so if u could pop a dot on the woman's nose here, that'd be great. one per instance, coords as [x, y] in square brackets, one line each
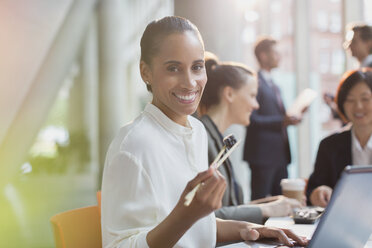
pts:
[189, 80]
[359, 104]
[256, 105]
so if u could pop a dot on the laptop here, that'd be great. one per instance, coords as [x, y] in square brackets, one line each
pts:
[347, 220]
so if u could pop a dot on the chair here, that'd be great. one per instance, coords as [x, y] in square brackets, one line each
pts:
[99, 201]
[78, 228]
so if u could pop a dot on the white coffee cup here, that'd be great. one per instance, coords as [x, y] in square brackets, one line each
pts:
[293, 188]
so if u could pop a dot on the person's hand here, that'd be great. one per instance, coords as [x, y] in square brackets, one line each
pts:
[291, 120]
[208, 198]
[285, 236]
[328, 98]
[279, 206]
[321, 196]
[304, 110]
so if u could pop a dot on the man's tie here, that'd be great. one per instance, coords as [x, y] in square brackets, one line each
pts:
[281, 106]
[278, 96]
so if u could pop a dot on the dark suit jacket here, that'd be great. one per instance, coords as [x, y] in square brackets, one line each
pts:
[334, 154]
[232, 206]
[266, 142]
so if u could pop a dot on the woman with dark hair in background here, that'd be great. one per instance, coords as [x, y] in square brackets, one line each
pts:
[161, 156]
[229, 98]
[350, 147]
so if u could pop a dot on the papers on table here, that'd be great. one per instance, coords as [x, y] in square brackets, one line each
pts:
[303, 100]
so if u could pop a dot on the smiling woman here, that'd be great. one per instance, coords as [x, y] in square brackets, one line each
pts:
[350, 147]
[145, 180]
[177, 79]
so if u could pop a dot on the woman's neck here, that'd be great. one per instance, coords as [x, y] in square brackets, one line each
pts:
[219, 116]
[362, 133]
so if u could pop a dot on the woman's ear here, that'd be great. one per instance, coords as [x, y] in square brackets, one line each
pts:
[228, 94]
[145, 72]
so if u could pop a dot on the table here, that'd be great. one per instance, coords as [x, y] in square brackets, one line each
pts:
[284, 222]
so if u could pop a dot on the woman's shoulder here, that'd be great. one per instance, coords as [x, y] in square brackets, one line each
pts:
[337, 137]
[197, 125]
[135, 134]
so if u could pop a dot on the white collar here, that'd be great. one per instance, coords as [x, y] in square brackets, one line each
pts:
[266, 74]
[367, 61]
[166, 122]
[356, 143]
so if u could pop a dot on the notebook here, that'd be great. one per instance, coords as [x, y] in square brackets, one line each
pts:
[347, 220]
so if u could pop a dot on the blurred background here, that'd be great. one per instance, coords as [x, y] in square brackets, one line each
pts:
[69, 79]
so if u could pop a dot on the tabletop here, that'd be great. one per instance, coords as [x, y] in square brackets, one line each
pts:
[284, 222]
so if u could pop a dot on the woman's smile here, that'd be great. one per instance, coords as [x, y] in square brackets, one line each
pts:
[186, 98]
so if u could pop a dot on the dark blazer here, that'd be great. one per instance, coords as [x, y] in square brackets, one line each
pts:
[266, 142]
[232, 205]
[334, 154]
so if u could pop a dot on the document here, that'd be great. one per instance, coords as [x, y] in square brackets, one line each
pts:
[303, 100]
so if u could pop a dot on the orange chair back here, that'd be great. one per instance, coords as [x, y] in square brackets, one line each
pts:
[78, 228]
[99, 201]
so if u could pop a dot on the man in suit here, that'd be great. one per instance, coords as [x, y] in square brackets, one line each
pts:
[359, 41]
[266, 145]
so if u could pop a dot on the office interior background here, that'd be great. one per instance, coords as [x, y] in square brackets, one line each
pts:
[69, 79]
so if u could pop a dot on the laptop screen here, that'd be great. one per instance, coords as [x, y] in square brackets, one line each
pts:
[347, 220]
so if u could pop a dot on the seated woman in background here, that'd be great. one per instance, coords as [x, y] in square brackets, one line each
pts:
[229, 98]
[154, 161]
[349, 147]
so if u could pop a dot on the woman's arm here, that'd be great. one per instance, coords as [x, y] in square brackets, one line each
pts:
[230, 230]
[207, 199]
[129, 205]
[321, 173]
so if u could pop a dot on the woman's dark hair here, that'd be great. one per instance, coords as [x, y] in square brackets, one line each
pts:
[220, 75]
[348, 81]
[157, 30]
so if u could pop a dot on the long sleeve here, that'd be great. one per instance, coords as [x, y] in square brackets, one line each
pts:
[321, 174]
[231, 210]
[148, 165]
[334, 154]
[242, 212]
[127, 203]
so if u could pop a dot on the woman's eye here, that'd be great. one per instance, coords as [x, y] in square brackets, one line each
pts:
[173, 69]
[197, 67]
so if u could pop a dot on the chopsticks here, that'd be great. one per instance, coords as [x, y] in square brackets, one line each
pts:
[230, 145]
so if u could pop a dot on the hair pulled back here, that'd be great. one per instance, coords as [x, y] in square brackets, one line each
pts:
[221, 75]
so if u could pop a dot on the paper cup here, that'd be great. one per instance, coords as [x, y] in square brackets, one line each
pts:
[293, 188]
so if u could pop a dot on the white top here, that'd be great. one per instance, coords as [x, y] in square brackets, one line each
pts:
[267, 76]
[361, 156]
[147, 167]
[367, 61]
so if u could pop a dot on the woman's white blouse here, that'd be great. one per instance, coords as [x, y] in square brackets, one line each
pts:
[148, 165]
[360, 156]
